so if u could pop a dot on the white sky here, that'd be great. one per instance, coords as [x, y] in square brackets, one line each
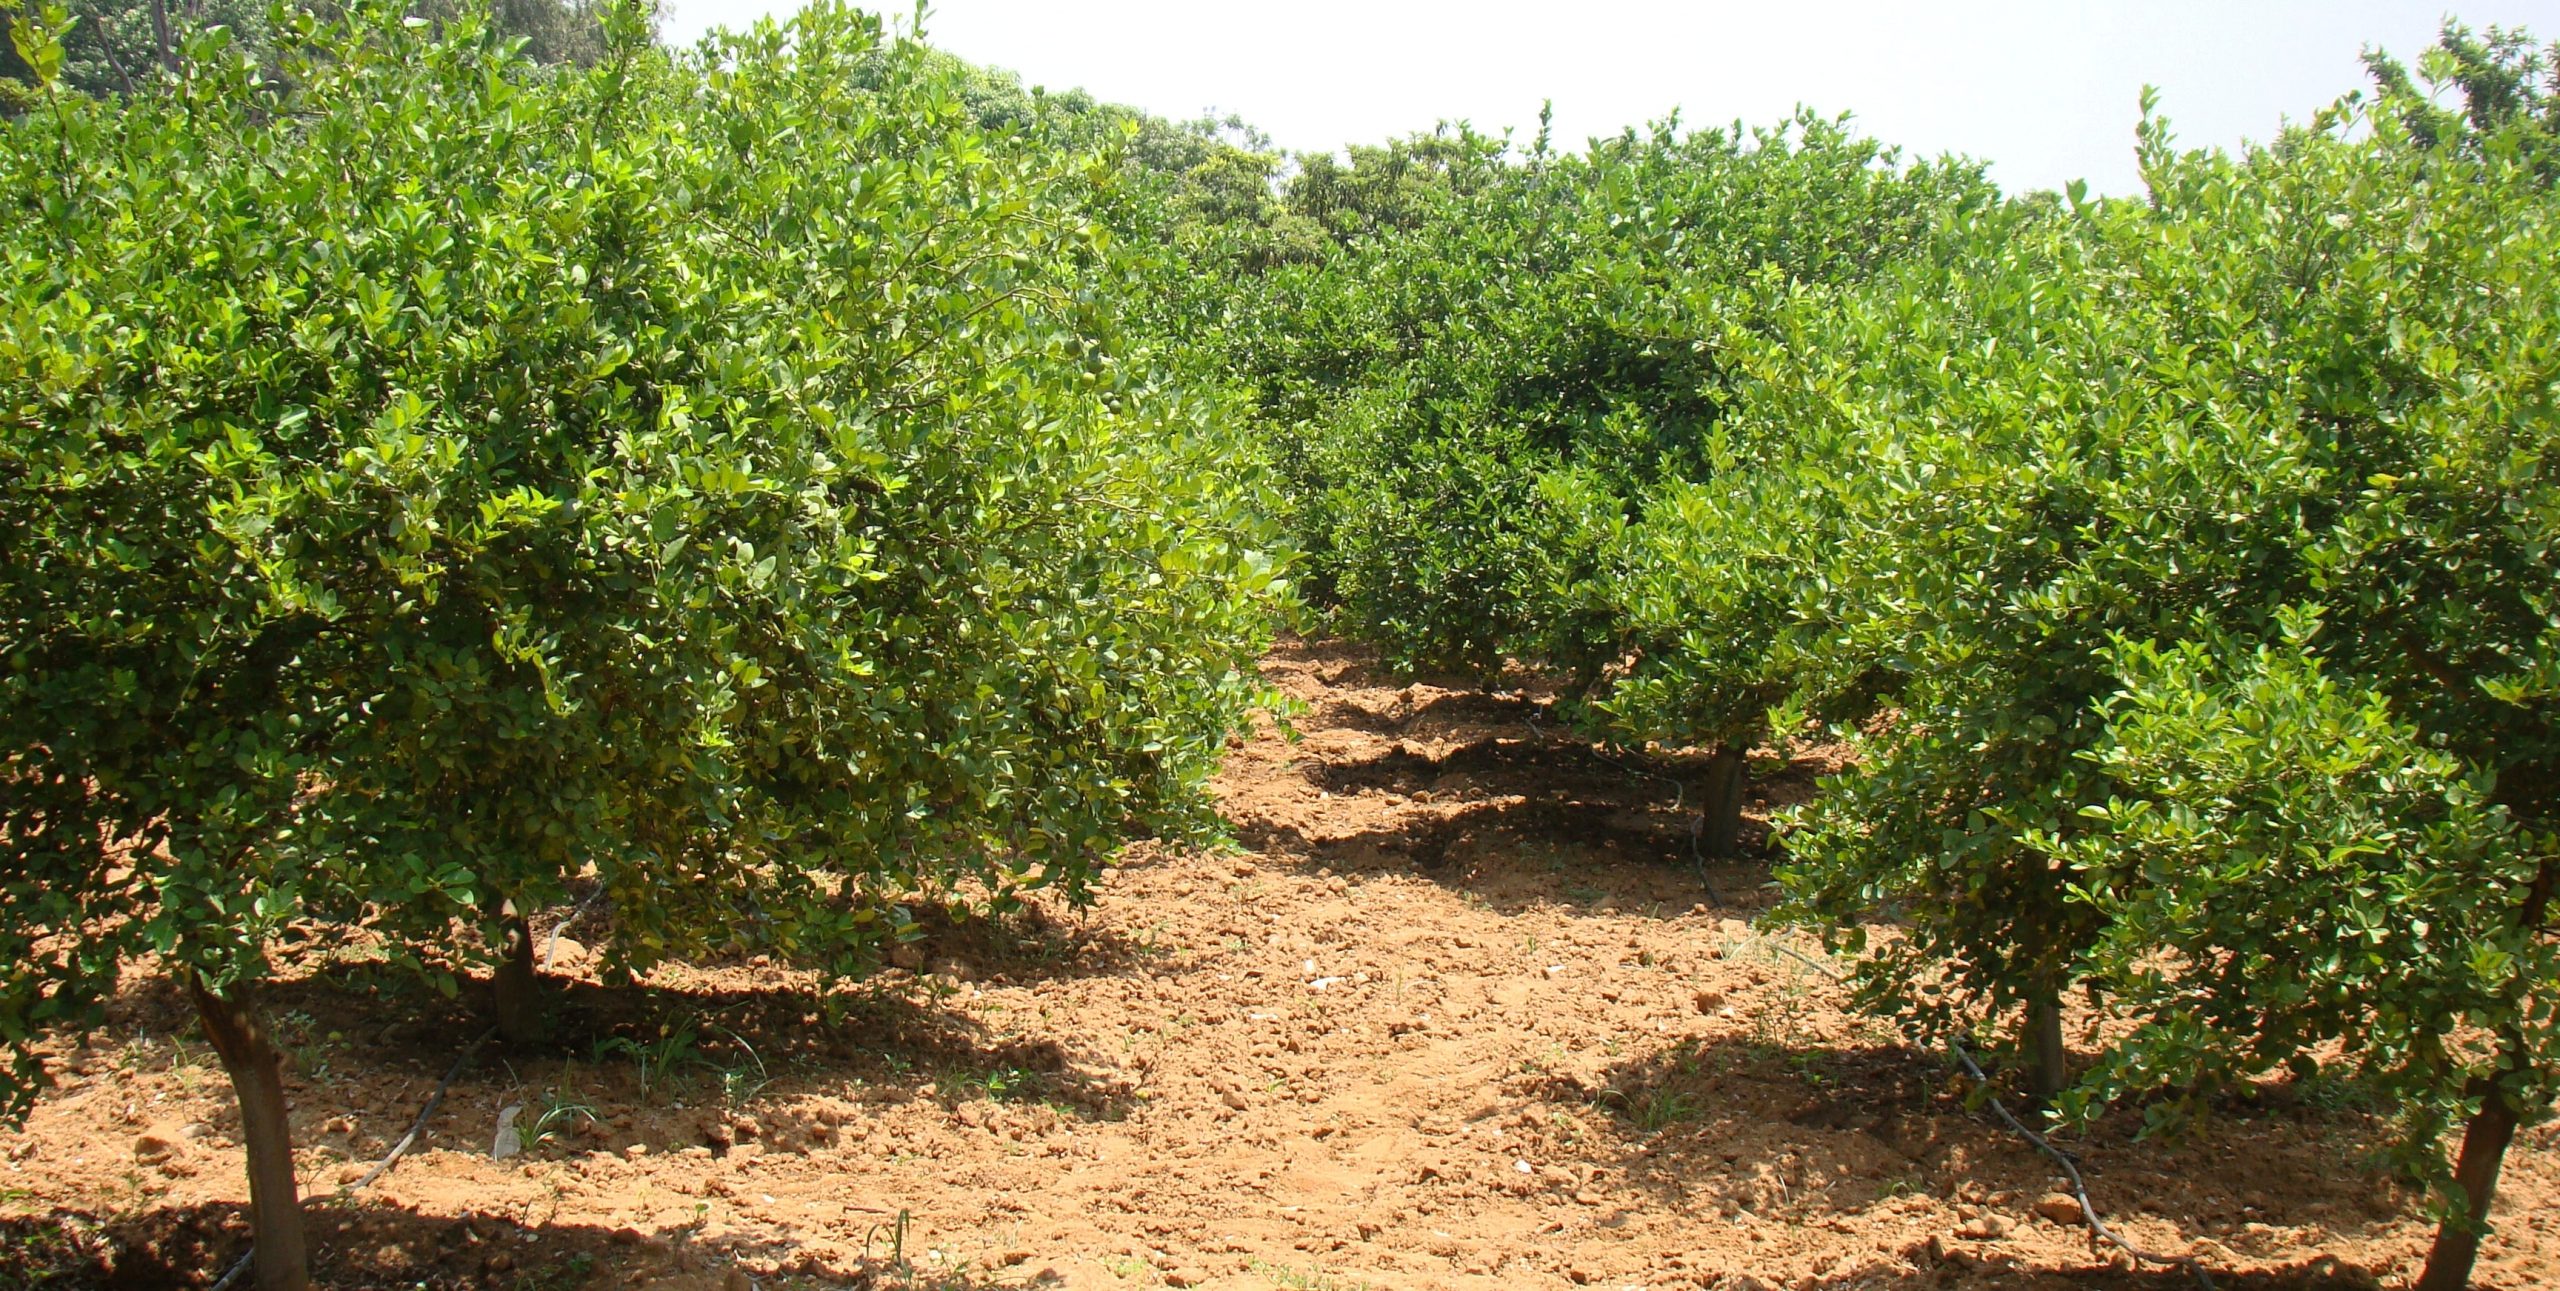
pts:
[2044, 89]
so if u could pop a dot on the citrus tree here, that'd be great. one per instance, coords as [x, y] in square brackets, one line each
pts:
[1478, 394]
[2204, 546]
[1519, 352]
[715, 475]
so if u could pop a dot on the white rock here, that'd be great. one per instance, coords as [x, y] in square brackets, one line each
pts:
[509, 1141]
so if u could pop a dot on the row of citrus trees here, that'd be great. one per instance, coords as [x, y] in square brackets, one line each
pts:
[430, 480]
[2185, 569]
[743, 479]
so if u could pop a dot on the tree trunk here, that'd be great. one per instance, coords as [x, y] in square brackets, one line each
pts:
[2492, 1128]
[1721, 800]
[2484, 1150]
[160, 34]
[2052, 1071]
[519, 986]
[239, 1035]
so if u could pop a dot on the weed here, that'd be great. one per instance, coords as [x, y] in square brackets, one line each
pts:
[299, 1035]
[561, 1112]
[1311, 1278]
[1812, 1066]
[1650, 1111]
[677, 1046]
[1153, 943]
[735, 1085]
[562, 1276]
[182, 1065]
[1003, 1084]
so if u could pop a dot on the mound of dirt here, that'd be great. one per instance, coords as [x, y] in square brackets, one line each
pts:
[1464, 1011]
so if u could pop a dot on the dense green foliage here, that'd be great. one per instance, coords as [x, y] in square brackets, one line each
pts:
[2311, 384]
[137, 46]
[805, 475]
[1504, 356]
[2182, 569]
[709, 471]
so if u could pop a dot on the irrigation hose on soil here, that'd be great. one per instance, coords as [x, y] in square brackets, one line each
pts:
[2079, 1188]
[389, 1159]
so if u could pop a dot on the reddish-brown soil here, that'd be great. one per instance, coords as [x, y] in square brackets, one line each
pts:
[1460, 1013]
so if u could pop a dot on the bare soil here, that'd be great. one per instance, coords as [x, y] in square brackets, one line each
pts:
[1463, 1011]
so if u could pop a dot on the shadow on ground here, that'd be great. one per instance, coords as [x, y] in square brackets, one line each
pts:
[1524, 822]
[1801, 1133]
[367, 1247]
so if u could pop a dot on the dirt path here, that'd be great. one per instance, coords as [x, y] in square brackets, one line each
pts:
[1457, 1016]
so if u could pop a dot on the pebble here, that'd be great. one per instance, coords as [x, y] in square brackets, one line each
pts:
[2059, 1207]
[156, 1146]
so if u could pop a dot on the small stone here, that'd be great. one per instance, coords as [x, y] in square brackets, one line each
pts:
[1708, 1001]
[568, 952]
[509, 1141]
[2059, 1207]
[1186, 1276]
[635, 1151]
[156, 1146]
[1233, 1097]
[1984, 1228]
[907, 957]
